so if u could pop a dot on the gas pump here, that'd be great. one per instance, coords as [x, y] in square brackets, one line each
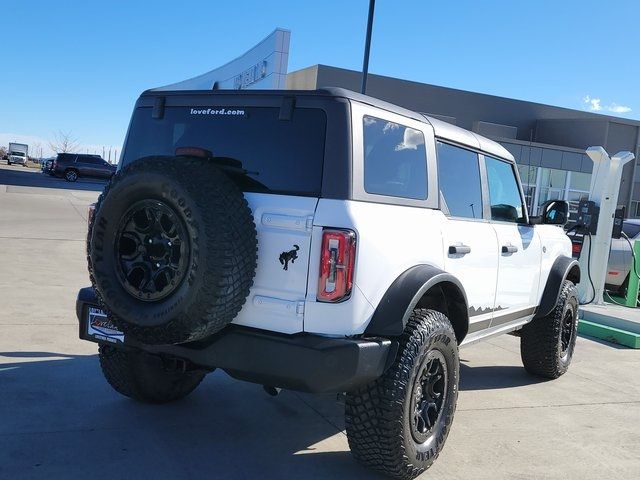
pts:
[596, 221]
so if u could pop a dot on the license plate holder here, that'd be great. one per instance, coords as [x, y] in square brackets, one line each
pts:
[101, 328]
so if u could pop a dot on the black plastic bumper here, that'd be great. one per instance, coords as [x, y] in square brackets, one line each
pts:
[303, 362]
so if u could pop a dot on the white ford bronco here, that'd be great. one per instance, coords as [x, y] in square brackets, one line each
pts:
[321, 241]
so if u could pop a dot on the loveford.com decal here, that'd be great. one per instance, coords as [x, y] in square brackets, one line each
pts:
[100, 327]
[218, 111]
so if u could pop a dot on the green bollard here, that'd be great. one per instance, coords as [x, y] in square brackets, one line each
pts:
[632, 289]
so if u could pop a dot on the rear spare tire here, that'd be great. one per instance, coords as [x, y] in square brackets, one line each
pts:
[172, 249]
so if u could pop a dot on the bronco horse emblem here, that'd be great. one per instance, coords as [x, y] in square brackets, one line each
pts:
[290, 256]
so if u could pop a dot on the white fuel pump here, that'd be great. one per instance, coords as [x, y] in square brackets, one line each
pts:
[605, 183]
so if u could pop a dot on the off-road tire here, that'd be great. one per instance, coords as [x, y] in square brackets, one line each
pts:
[541, 340]
[144, 377]
[223, 249]
[378, 416]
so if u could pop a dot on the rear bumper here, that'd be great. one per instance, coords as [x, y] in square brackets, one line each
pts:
[302, 362]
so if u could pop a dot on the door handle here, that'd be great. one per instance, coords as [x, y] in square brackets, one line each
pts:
[459, 249]
[509, 249]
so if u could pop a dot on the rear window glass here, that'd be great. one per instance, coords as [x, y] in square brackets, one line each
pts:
[259, 151]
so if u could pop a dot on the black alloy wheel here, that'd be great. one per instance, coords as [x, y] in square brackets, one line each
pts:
[153, 250]
[568, 332]
[429, 394]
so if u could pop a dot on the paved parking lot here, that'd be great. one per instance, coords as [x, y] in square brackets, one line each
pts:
[59, 419]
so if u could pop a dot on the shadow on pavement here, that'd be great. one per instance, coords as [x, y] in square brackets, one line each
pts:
[28, 177]
[60, 419]
[495, 377]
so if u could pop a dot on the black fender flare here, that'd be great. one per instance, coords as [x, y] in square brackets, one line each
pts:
[393, 311]
[562, 268]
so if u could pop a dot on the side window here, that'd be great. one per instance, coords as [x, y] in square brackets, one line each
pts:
[630, 229]
[459, 180]
[395, 159]
[506, 202]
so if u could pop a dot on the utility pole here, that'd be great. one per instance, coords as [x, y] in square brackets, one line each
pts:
[367, 47]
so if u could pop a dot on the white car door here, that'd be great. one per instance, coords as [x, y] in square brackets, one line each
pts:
[519, 246]
[469, 240]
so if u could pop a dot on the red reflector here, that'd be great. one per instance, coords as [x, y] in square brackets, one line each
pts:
[90, 212]
[576, 247]
[337, 259]
[614, 273]
[193, 152]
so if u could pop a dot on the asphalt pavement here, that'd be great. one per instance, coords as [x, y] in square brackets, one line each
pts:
[60, 420]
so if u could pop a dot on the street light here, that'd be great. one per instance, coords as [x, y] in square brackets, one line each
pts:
[367, 47]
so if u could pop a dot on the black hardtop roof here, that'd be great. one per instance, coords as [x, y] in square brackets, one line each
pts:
[328, 92]
[83, 154]
[441, 129]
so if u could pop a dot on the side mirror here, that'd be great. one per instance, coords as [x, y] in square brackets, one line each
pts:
[555, 212]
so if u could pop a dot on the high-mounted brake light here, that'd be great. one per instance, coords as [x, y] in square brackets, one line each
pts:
[193, 152]
[337, 260]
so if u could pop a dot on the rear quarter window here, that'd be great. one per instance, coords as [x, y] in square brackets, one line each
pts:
[395, 159]
[275, 156]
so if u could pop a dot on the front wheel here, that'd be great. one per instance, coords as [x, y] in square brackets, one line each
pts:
[547, 344]
[146, 378]
[398, 424]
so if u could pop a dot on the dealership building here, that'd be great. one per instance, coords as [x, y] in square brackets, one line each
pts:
[547, 142]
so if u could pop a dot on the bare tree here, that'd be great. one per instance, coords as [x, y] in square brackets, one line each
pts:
[36, 149]
[64, 142]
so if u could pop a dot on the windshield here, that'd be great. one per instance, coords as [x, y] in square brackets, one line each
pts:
[17, 154]
[258, 150]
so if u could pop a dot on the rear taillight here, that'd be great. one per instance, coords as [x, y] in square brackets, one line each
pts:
[90, 212]
[337, 260]
[576, 248]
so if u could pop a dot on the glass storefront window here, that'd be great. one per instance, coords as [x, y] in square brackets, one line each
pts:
[580, 181]
[553, 178]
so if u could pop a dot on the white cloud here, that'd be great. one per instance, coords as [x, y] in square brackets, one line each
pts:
[595, 105]
[614, 107]
[592, 103]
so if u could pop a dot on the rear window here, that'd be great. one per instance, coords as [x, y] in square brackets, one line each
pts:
[258, 150]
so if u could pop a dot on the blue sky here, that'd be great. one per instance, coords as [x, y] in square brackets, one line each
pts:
[79, 66]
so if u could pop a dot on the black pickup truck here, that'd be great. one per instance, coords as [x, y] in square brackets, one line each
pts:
[71, 166]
